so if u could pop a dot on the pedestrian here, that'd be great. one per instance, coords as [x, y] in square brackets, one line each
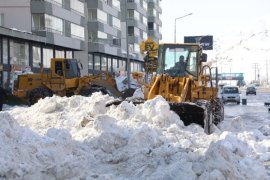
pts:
[3, 97]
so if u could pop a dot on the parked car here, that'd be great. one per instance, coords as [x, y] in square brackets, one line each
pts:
[230, 94]
[251, 90]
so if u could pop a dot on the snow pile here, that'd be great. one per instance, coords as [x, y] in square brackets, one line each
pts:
[80, 138]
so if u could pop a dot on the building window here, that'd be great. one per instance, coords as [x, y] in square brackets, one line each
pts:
[77, 31]
[132, 66]
[38, 23]
[69, 54]
[77, 6]
[36, 56]
[90, 61]
[144, 35]
[5, 51]
[98, 37]
[130, 30]
[59, 54]
[132, 14]
[133, 31]
[134, 47]
[48, 23]
[109, 64]
[150, 26]
[144, 4]
[122, 65]
[116, 4]
[144, 20]
[114, 65]
[19, 53]
[103, 63]
[152, 12]
[97, 15]
[116, 22]
[116, 41]
[53, 24]
[47, 56]
[56, 2]
[97, 63]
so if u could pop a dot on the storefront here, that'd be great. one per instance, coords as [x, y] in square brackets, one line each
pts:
[25, 51]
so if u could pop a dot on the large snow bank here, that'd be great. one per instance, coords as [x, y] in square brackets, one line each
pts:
[79, 138]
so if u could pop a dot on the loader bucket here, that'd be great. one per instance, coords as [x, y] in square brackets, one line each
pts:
[14, 100]
[193, 113]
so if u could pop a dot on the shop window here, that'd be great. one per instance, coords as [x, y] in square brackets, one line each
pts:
[97, 63]
[36, 56]
[47, 56]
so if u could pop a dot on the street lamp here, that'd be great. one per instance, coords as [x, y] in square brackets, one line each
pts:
[175, 24]
[127, 43]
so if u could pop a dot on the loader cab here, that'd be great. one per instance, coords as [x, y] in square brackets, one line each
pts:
[170, 59]
[68, 68]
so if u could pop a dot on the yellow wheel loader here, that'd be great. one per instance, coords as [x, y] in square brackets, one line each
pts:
[63, 79]
[187, 84]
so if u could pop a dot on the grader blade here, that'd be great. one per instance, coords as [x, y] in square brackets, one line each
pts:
[189, 113]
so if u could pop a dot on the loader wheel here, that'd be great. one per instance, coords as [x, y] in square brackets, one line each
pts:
[37, 94]
[88, 91]
[218, 112]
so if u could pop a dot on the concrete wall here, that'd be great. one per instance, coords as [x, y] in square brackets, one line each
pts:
[17, 14]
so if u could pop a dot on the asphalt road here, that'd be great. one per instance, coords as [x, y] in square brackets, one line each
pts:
[254, 114]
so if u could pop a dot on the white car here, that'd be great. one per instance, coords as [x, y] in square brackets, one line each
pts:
[230, 94]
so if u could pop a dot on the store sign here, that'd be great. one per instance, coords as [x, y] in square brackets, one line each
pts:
[205, 41]
[150, 47]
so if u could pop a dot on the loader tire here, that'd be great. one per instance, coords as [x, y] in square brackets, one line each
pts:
[37, 94]
[218, 112]
[88, 91]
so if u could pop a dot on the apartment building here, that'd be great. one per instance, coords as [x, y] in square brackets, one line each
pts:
[154, 23]
[114, 25]
[102, 34]
[34, 31]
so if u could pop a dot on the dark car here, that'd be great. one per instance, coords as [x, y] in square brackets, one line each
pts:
[251, 90]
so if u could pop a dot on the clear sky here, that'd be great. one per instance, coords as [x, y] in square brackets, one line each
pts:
[210, 17]
[213, 17]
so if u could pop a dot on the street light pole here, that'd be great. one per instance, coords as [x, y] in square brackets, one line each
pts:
[175, 24]
[127, 43]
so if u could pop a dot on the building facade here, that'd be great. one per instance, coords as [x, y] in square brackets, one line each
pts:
[103, 34]
[154, 23]
[34, 31]
[116, 29]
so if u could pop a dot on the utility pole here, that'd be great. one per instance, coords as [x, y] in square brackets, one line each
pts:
[255, 66]
[127, 43]
[266, 71]
[175, 31]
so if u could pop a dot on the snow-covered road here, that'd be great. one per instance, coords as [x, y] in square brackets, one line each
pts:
[254, 114]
